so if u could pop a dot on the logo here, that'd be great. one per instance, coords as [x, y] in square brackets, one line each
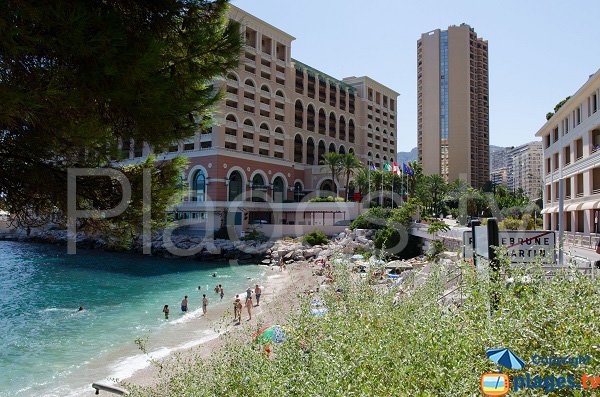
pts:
[494, 384]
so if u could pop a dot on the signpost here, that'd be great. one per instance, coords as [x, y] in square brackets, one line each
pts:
[522, 245]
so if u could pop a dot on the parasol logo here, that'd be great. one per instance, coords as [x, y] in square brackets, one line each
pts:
[494, 384]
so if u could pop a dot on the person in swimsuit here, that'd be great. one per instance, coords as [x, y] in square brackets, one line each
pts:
[221, 291]
[257, 293]
[184, 304]
[204, 303]
[249, 307]
[248, 293]
[237, 309]
[166, 311]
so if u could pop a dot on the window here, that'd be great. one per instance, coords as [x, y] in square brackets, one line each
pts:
[198, 192]
[235, 186]
[278, 190]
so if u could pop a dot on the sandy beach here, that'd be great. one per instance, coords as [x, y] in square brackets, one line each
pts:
[280, 290]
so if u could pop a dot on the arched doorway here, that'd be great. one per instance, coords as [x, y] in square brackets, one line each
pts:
[198, 192]
[235, 186]
[258, 188]
[278, 190]
[327, 186]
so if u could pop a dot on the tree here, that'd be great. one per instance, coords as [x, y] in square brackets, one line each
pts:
[77, 77]
[333, 162]
[349, 165]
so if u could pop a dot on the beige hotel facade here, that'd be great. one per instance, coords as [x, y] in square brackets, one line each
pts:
[278, 117]
[571, 142]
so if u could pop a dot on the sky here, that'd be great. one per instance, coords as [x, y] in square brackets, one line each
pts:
[539, 51]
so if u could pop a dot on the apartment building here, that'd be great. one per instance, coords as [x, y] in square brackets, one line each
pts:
[571, 144]
[279, 116]
[452, 104]
[525, 169]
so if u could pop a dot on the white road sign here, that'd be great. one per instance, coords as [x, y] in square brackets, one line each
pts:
[522, 245]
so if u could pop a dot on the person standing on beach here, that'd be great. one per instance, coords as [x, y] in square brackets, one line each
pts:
[257, 293]
[248, 307]
[237, 309]
[248, 293]
[221, 291]
[166, 311]
[204, 303]
[184, 304]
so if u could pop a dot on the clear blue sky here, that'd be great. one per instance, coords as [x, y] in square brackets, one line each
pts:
[539, 51]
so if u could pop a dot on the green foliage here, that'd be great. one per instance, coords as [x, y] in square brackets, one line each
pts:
[561, 103]
[333, 162]
[328, 199]
[435, 249]
[404, 215]
[254, 235]
[436, 227]
[367, 345]
[79, 76]
[386, 238]
[510, 224]
[373, 218]
[221, 233]
[316, 238]
[350, 164]
[549, 115]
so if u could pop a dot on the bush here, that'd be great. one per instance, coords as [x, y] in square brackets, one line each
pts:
[373, 218]
[316, 238]
[510, 224]
[254, 235]
[435, 249]
[221, 233]
[386, 238]
[328, 199]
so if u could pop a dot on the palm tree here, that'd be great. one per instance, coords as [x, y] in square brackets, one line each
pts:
[333, 162]
[349, 165]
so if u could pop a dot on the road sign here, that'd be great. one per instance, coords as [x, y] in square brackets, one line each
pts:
[522, 245]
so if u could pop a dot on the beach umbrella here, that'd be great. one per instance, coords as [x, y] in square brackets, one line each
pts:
[271, 333]
[505, 357]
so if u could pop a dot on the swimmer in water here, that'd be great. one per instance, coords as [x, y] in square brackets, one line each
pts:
[80, 309]
[214, 274]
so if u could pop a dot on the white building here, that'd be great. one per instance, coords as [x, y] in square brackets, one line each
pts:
[571, 141]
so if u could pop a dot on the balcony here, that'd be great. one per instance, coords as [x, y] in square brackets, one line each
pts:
[206, 137]
[231, 124]
[250, 62]
[264, 106]
[231, 96]
[231, 138]
[248, 142]
[280, 75]
[249, 102]
[264, 145]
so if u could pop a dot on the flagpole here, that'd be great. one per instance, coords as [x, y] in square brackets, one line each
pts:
[393, 177]
[369, 177]
[381, 198]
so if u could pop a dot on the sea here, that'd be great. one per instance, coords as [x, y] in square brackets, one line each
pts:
[50, 348]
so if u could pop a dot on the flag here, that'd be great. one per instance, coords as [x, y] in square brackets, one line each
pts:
[405, 168]
[396, 169]
[372, 167]
[387, 167]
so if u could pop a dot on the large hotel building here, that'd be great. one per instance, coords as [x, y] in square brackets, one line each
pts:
[279, 116]
[571, 141]
[452, 104]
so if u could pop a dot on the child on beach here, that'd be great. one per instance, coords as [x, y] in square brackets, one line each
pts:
[166, 311]
[204, 303]
[237, 309]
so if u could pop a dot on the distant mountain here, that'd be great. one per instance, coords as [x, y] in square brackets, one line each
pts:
[496, 148]
[404, 157]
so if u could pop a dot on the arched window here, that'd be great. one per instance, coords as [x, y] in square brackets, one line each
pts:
[322, 122]
[235, 186]
[351, 150]
[298, 192]
[299, 118]
[342, 149]
[278, 190]
[310, 118]
[264, 127]
[265, 90]
[232, 76]
[231, 117]
[249, 83]
[331, 147]
[258, 188]
[321, 152]
[342, 128]
[249, 123]
[332, 125]
[351, 131]
[279, 93]
[199, 186]
[298, 148]
[310, 151]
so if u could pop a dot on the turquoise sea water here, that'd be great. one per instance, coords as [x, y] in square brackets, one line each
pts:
[47, 346]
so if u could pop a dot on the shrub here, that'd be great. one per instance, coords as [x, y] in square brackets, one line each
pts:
[316, 238]
[328, 199]
[254, 235]
[510, 224]
[221, 233]
[386, 238]
[373, 218]
[435, 249]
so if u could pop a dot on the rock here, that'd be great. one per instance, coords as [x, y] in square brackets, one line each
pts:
[324, 253]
